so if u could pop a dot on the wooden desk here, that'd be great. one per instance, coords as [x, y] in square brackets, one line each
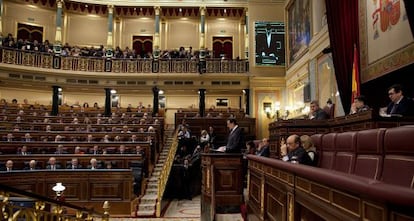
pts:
[222, 183]
[85, 188]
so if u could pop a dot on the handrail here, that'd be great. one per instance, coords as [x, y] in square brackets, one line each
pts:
[165, 172]
[43, 207]
[118, 65]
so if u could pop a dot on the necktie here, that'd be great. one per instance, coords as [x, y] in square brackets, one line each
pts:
[53, 167]
[394, 109]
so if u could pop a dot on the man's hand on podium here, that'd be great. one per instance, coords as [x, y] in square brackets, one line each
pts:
[221, 149]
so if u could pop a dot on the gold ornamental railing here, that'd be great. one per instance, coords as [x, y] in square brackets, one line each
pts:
[18, 205]
[165, 173]
[116, 65]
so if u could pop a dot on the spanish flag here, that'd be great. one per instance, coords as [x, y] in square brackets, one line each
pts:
[355, 75]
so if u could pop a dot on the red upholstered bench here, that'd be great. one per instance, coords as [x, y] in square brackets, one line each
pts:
[345, 152]
[327, 156]
[370, 154]
[399, 156]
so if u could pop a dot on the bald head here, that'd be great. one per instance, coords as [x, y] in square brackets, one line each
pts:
[293, 142]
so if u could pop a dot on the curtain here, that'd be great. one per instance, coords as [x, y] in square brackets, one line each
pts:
[409, 8]
[342, 18]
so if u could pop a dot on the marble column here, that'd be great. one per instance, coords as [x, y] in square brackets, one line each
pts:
[1, 23]
[110, 39]
[203, 52]
[247, 101]
[55, 101]
[202, 102]
[107, 112]
[57, 47]
[155, 103]
[156, 46]
[246, 39]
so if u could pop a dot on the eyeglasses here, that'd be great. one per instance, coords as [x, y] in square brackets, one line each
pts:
[290, 143]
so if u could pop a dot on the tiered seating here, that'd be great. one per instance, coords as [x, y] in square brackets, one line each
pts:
[33, 127]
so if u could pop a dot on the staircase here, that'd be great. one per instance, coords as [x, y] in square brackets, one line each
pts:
[147, 204]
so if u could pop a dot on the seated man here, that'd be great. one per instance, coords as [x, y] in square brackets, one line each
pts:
[23, 151]
[122, 149]
[359, 105]
[94, 164]
[60, 149]
[297, 154]
[32, 165]
[9, 166]
[95, 150]
[263, 149]
[53, 165]
[74, 164]
[399, 104]
[316, 113]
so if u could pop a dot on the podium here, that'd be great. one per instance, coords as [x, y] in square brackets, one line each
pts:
[221, 185]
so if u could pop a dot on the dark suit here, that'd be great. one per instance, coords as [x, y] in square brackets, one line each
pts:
[77, 167]
[405, 107]
[264, 152]
[302, 156]
[320, 115]
[57, 167]
[235, 141]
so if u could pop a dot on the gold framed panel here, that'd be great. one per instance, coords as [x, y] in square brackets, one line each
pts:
[385, 40]
[298, 28]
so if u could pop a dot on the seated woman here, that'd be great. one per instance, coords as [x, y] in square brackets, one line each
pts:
[205, 137]
[250, 147]
[310, 148]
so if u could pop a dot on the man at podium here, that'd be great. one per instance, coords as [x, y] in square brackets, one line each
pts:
[235, 140]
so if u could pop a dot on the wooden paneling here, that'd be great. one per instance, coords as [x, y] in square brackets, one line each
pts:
[83, 187]
[315, 198]
[222, 185]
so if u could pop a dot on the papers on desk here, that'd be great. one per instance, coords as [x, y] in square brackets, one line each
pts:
[221, 149]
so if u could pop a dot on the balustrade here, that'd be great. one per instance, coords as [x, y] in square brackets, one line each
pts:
[135, 65]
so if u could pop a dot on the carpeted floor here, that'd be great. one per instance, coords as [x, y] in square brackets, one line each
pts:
[183, 210]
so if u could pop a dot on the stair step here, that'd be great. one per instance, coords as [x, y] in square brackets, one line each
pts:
[152, 185]
[151, 191]
[146, 213]
[153, 179]
[146, 206]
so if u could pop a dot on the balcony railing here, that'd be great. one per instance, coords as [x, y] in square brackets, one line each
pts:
[115, 65]
[17, 205]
